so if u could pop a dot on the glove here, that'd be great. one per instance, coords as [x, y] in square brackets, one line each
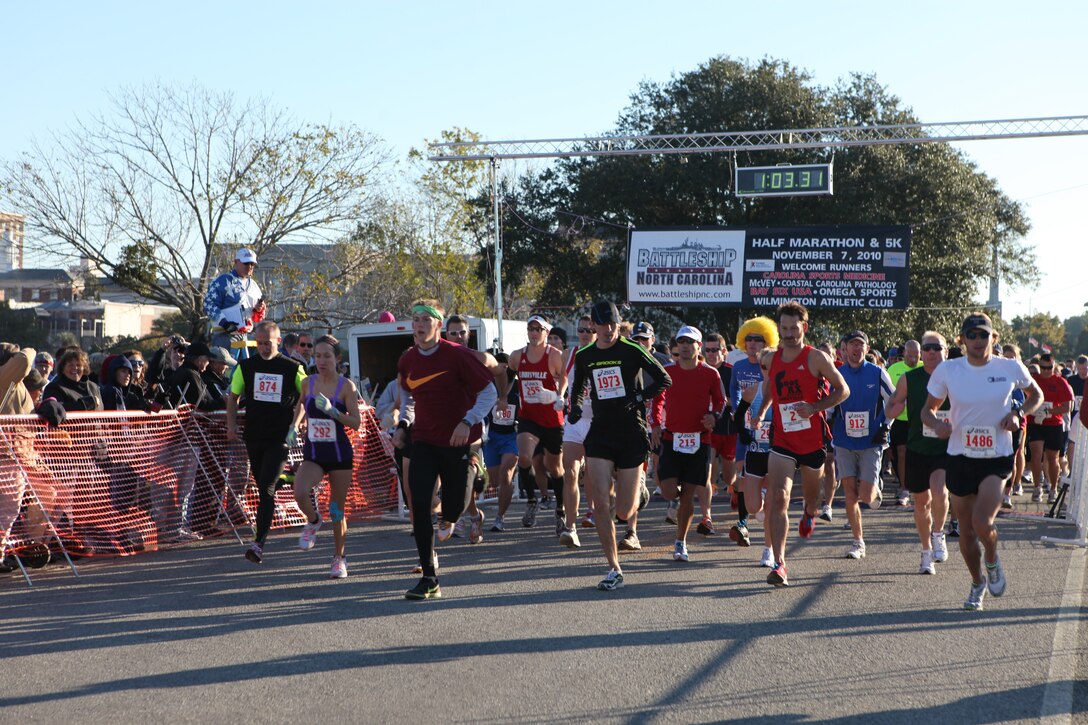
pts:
[575, 414]
[324, 404]
[634, 402]
[880, 438]
[744, 435]
[547, 396]
[292, 437]
[228, 326]
[559, 404]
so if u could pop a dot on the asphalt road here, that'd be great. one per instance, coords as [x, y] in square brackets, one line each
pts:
[521, 634]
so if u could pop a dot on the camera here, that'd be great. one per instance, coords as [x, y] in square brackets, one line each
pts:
[178, 343]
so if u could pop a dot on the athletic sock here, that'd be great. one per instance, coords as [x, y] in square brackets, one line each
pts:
[527, 482]
[742, 510]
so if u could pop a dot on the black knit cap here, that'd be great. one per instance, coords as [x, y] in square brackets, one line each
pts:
[604, 312]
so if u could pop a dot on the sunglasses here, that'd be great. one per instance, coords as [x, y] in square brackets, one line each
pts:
[305, 344]
[586, 330]
[709, 350]
[753, 338]
[976, 335]
[932, 347]
[457, 333]
[1046, 367]
[137, 363]
[535, 328]
[676, 354]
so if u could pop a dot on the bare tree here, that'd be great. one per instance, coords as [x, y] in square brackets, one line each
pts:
[174, 179]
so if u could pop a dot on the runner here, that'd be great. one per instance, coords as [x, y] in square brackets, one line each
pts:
[723, 444]
[753, 337]
[910, 361]
[501, 446]
[541, 385]
[794, 387]
[756, 439]
[271, 384]
[979, 434]
[452, 392]
[860, 434]
[927, 454]
[682, 418]
[1014, 486]
[1046, 426]
[617, 441]
[330, 407]
[574, 450]
[643, 334]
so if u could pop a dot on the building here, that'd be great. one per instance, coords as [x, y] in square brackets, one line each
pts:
[11, 241]
[29, 287]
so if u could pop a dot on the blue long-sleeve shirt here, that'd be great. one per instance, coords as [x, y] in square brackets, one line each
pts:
[857, 418]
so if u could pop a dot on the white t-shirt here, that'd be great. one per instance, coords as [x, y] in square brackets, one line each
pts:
[980, 396]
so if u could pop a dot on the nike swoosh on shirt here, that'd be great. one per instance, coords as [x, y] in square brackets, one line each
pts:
[415, 383]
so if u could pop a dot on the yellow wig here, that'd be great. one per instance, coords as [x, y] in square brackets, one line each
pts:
[762, 326]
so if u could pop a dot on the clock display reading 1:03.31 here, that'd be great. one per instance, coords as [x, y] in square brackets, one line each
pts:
[783, 180]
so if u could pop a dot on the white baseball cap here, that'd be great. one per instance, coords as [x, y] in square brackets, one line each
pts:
[689, 332]
[540, 321]
[246, 256]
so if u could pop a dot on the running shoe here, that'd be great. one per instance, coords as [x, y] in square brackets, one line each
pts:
[680, 551]
[643, 495]
[670, 512]
[739, 534]
[612, 580]
[255, 553]
[975, 596]
[856, 550]
[1018, 489]
[940, 546]
[476, 528]
[569, 538]
[185, 534]
[805, 526]
[339, 568]
[560, 523]
[767, 559]
[778, 575]
[308, 538]
[629, 542]
[461, 525]
[926, 566]
[706, 527]
[427, 588]
[1052, 494]
[1037, 495]
[419, 567]
[995, 578]
[903, 498]
[1006, 502]
[547, 502]
[529, 519]
[587, 521]
[953, 529]
[825, 512]
[498, 524]
[444, 531]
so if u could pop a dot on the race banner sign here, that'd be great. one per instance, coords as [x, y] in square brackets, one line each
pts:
[855, 266]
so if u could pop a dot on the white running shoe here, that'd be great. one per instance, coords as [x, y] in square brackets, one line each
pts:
[339, 568]
[940, 546]
[461, 525]
[569, 538]
[995, 578]
[825, 512]
[975, 597]
[856, 550]
[670, 512]
[767, 559]
[308, 538]
[680, 551]
[926, 567]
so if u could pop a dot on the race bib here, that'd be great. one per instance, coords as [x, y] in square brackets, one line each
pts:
[608, 383]
[504, 417]
[531, 391]
[1043, 412]
[791, 421]
[320, 430]
[685, 442]
[980, 441]
[942, 415]
[1077, 401]
[762, 434]
[857, 424]
[267, 387]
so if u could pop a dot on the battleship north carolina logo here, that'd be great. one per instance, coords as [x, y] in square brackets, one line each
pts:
[690, 263]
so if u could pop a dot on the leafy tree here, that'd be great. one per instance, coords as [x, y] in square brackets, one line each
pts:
[21, 327]
[1047, 329]
[573, 215]
[156, 193]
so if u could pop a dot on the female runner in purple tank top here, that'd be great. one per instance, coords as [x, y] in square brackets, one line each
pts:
[330, 403]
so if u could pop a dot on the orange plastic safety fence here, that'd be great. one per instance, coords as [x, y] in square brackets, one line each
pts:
[119, 483]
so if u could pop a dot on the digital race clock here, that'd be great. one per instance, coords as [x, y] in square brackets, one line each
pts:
[786, 180]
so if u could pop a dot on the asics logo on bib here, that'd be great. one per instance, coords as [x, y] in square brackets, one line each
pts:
[414, 383]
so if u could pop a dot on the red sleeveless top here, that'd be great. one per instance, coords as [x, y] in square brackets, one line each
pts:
[793, 383]
[533, 379]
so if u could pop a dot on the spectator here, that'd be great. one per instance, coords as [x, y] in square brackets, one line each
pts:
[119, 392]
[217, 379]
[71, 387]
[139, 369]
[15, 364]
[234, 304]
[186, 384]
[43, 362]
[290, 344]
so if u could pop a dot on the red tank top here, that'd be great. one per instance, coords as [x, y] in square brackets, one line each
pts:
[533, 379]
[793, 383]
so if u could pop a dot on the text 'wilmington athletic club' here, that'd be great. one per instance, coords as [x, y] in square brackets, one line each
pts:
[691, 263]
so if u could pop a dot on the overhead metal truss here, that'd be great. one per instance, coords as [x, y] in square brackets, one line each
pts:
[725, 141]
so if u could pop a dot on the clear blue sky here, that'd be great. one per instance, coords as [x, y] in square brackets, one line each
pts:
[534, 70]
